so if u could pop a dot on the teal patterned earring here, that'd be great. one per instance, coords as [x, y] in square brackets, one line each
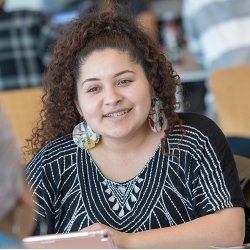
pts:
[155, 117]
[84, 137]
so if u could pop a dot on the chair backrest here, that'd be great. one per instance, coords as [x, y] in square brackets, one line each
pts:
[231, 89]
[22, 106]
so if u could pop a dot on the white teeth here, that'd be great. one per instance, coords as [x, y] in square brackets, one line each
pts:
[118, 113]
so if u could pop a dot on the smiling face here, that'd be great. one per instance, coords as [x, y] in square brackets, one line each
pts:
[113, 94]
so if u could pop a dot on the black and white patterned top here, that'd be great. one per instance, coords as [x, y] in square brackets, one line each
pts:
[201, 178]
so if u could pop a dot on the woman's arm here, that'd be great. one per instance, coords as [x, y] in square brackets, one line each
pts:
[224, 228]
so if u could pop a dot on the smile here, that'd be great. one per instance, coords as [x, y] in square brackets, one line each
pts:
[118, 113]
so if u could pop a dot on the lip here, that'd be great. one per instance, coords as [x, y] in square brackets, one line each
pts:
[117, 111]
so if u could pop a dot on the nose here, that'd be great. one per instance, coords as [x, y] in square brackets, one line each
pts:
[112, 95]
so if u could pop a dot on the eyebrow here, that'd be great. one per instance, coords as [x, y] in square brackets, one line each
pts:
[123, 72]
[117, 74]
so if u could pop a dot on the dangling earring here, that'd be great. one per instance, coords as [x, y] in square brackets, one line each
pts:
[155, 118]
[84, 137]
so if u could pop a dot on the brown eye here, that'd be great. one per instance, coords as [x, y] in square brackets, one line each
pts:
[124, 82]
[93, 89]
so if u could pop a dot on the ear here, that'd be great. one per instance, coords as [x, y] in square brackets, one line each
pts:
[78, 107]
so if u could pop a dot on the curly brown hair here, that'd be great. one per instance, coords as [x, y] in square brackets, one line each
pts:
[106, 27]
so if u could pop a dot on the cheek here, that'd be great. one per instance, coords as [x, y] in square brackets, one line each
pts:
[89, 108]
[144, 100]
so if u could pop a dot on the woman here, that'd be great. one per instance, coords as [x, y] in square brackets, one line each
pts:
[16, 205]
[154, 177]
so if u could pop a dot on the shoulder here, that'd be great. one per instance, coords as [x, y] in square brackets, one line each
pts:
[204, 142]
[51, 158]
[200, 124]
[57, 148]
[200, 132]
[191, 117]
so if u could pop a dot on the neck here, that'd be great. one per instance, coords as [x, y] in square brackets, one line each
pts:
[127, 144]
[122, 159]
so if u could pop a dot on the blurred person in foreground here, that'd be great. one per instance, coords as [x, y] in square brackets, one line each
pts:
[24, 48]
[112, 152]
[16, 206]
